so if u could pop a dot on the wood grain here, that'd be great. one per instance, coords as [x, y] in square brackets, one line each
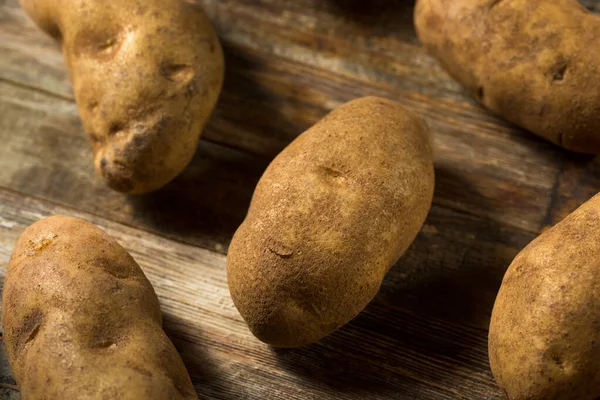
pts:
[289, 64]
[424, 335]
[485, 167]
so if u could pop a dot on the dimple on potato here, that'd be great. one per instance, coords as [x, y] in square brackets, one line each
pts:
[329, 217]
[81, 321]
[146, 77]
[534, 62]
[544, 338]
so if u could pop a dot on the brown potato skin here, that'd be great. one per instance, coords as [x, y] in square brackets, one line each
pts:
[81, 321]
[146, 77]
[534, 62]
[544, 339]
[329, 217]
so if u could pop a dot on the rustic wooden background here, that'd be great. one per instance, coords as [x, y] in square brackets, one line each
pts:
[288, 64]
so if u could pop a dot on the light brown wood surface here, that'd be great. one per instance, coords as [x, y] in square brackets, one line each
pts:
[288, 64]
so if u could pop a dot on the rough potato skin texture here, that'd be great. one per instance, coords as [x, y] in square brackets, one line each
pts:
[81, 321]
[330, 216]
[146, 76]
[544, 339]
[534, 62]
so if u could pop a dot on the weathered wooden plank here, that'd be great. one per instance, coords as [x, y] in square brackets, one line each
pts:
[27, 56]
[204, 206]
[312, 32]
[373, 40]
[423, 337]
[485, 167]
[478, 171]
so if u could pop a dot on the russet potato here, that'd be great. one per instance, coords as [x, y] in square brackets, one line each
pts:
[329, 217]
[81, 321]
[146, 77]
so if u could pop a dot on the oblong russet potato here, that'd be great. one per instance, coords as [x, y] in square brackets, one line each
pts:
[329, 217]
[534, 62]
[81, 321]
[146, 77]
[544, 339]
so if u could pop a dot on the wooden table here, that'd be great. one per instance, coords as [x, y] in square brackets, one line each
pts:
[288, 64]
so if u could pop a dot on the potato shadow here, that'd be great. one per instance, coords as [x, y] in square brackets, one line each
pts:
[591, 5]
[7, 381]
[187, 339]
[454, 268]
[260, 107]
[5, 372]
[208, 201]
[578, 181]
[380, 16]
[429, 318]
